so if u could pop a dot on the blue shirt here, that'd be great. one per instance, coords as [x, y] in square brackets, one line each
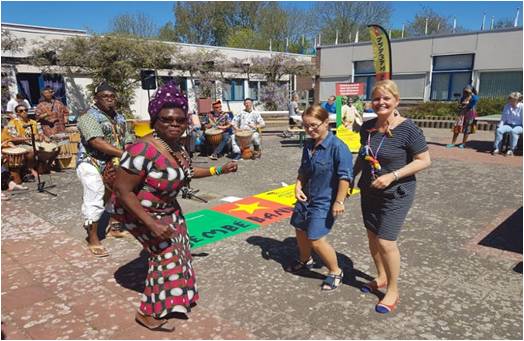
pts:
[511, 116]
[330, 108]
[320, 173]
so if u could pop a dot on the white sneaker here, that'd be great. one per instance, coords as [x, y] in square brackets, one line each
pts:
[509, 153]
[494, 152]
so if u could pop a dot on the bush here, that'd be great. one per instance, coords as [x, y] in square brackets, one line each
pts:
[485, 106]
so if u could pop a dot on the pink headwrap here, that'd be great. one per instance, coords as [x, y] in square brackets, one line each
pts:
[167, 94]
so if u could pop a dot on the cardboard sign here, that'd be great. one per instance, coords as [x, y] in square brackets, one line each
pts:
[207, 226]
[283, 195]
[256, 210]
[349, 89]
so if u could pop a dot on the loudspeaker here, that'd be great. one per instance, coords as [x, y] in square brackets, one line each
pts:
[148, 79]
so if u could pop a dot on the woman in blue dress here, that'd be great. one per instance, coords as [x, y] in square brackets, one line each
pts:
[321, 187]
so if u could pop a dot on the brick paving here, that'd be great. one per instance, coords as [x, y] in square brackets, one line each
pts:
[450, 288]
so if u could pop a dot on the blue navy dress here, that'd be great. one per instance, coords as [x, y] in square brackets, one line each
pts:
[320, 172]
[384, 211]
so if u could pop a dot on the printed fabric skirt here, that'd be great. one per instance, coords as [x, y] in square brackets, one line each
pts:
[170, 284]
[466, 123]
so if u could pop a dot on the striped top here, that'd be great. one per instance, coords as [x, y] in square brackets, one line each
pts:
[396, 151]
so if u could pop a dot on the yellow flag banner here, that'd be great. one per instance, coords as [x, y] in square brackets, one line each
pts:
[381, 52]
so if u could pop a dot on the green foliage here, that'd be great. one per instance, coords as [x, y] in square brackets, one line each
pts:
[10, 43]
[116, 59]
[138, 25]
[485, 106]
[436, 23]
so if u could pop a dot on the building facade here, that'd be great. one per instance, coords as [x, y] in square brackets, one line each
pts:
[432, 68]
[22, 77]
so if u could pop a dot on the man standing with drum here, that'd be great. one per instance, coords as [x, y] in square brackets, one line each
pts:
[219, 119]
[51, 113]
[248, 119]
[103, 136]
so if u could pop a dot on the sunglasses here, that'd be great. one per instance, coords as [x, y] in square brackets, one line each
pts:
[21, 110]
[178, 120]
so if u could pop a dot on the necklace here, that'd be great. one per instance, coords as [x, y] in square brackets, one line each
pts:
[186, 166]
[372, 157]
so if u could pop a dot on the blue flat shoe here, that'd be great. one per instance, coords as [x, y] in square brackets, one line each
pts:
[332, 281]
[383, 308]
[450, 145]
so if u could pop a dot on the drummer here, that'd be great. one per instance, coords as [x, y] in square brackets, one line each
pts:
[248, 119]
[51, 113]
[221, 120]
[18, 132]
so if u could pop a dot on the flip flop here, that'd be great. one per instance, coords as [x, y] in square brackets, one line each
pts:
[160, 326]
[98, 250]
[115, 230]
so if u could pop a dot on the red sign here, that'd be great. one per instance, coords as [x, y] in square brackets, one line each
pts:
[349, 89]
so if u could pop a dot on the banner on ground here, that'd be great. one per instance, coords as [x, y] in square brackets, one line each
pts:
[381, 52]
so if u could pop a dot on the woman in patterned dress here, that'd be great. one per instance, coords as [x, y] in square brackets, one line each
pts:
[152, 172]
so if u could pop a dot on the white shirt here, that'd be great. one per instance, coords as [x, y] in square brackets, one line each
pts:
[11, 105]
[512, 115]
[244, 119]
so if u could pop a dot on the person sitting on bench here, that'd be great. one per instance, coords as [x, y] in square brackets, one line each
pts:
[510, 122]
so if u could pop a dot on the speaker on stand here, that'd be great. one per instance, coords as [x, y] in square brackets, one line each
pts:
[148, 81]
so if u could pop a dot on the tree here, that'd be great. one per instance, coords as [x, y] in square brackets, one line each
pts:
[347, 17]
[138, 25]
[167, 32]
[116, 59]
[10, 43]
[436, 23]
[500, 23]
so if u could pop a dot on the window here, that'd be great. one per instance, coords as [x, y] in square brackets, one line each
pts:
[253, 90]
[365, 73]
[450, 75]
[500, 84]
[233, 90]
[411, 86]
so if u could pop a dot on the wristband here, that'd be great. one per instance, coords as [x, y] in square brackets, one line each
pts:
[219, 170]
[395, 174]
[339, 202]
[212, 170]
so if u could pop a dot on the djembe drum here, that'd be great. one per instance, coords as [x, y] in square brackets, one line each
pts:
[74, 139]
[15, 159]
[213, 137]
[46, 152]
[244, 140]
[64, 149]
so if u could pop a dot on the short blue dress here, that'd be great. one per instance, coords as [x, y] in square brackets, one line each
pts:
[321, 171]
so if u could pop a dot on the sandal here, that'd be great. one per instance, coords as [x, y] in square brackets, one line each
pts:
[332, 281]
[299, 266]
[115, 230]
[158, 326]
[98, 250]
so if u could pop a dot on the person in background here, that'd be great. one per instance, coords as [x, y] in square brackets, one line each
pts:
[465, 122]
[510, 122]
[13, 102]
[393, 150]
[51, 113]
[152, 172]
[330, 106]
[248, 119]
[321, 188]
[351, 118]
[221, 120]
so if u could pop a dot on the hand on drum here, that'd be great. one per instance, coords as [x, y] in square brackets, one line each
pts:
[230, 167]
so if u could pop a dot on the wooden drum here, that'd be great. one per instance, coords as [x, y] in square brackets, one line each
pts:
[64, 149]
[244, 141]
[74, 140]
[15, 159]
[214, 136]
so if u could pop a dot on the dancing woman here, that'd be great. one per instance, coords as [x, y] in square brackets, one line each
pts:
[152, 172]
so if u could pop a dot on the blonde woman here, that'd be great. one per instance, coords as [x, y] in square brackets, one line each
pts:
[393, 150]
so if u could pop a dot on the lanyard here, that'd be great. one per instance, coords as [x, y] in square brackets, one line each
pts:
[371, 157]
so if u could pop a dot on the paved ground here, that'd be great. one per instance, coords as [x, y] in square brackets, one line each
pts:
[451, 287]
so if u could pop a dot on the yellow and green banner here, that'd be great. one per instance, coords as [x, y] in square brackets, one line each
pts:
[381, 52]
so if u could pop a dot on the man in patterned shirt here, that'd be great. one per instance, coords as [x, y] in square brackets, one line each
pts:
[51, 113]
[103, 136]
[18, 133]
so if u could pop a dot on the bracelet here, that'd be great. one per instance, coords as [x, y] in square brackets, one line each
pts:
[339, 202]
[212, 170]
[219, 170]
[396, 175]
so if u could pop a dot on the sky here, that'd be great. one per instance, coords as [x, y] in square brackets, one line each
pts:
[95, 16]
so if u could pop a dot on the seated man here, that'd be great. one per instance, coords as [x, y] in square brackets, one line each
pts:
[248, 119]
[220, 120]
[510, 122]
[330, 106]
[18, 132]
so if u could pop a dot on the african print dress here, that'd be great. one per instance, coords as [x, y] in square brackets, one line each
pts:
[170, 283]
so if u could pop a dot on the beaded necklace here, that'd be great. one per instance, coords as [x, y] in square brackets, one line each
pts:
[188, 170]
[372, 157]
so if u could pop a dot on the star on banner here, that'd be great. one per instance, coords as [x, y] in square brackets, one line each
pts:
[249, 208]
